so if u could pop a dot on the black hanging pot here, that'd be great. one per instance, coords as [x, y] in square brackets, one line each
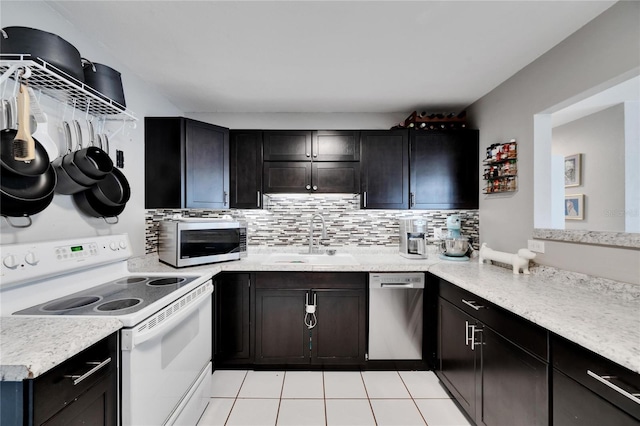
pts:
[92, 206]
[46, 46]
[25, 195]
[105, 80]
[113, 190]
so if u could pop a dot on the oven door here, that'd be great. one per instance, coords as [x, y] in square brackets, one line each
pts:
[163, 358]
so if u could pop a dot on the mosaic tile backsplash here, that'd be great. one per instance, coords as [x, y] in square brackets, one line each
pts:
[285, 221]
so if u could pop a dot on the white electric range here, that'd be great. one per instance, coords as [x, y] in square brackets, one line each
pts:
[166, 341]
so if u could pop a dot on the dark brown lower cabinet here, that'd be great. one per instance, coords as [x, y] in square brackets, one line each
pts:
[282, 337]
[591, 390]
[232, 315]
[496, 380]
[80, 391]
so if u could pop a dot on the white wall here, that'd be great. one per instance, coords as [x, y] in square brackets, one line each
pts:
[600, 140]
[325, 121]
[605, 48]
[62, 219]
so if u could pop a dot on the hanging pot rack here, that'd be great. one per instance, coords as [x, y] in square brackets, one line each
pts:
[60, 86]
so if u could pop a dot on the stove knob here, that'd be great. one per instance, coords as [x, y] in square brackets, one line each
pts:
[10, 261]
[123, 245]
[31, 258]
[113, 246]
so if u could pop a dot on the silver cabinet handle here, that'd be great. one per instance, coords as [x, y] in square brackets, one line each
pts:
[472, 304]
[315, 187]
[635, 397]
[315, 155]
[98, 365]
[364, 195]
[259, 199]
[308, 187]
[475, 330]
[412, 199]
[225, 200]
[466, 333]
[308, 154]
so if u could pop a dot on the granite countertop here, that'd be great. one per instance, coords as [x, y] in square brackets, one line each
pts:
[31, 346]
[598, 314]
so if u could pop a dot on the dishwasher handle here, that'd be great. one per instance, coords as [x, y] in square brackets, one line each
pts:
[396, 285]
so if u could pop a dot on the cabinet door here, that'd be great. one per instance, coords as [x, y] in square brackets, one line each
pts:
[339, 336]
[335, 177]
[384, 169]
[207, 166]
[245, 168]
[95, 407]
[444, 169]
[514, 384]
[232, 316]
[287, 145]
[163, 165]
[459, 364]
[287, 176]
[575, 405]
[336, 145]
[281, 335]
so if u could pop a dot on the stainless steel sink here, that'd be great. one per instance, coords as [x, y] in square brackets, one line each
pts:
[310, 259]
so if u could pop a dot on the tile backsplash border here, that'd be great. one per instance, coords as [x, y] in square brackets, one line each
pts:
[285, 221]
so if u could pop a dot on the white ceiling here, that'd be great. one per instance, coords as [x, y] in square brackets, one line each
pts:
[331, 56]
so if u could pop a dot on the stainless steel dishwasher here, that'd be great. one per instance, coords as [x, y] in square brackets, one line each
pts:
[395, 315]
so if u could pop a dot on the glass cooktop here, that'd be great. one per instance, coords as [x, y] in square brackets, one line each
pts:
[118, 297]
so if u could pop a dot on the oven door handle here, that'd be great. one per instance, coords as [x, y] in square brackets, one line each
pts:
[132, 338]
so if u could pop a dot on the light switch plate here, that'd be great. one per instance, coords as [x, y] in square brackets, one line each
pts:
[536, 246]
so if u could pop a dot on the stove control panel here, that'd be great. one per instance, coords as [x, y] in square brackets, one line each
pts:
[35, 261]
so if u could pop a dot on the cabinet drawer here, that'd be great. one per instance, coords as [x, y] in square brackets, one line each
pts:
[597, 374]
[53, 390]
[518, 330]
[308, 280]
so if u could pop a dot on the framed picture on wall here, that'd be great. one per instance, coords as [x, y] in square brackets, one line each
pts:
[574, 207]
[572, 170]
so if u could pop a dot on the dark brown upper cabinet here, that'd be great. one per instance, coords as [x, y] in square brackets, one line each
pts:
[245, 169]
[287, 145]
[384, 169]
[444, 169]
[336, 145]
[186, 164]
[323, 161]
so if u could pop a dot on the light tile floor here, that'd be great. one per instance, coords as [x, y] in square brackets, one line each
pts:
[297, 398]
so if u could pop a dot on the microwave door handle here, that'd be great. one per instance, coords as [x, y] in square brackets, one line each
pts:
[167, 324]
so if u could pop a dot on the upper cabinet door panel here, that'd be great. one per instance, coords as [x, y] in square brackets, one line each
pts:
[444, 169]
[385, 169]
[245, 169]
[287, 145]
[287, 176]
[207, 155]
[336, 145]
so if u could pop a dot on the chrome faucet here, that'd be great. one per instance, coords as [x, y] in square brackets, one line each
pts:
[324, 232]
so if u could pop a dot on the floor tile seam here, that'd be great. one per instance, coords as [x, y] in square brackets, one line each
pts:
[226, 421]
[324, 401]
[284, 378]
[415, 404]
[373, 413]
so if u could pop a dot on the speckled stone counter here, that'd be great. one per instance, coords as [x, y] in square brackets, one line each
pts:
[31, 346]
[601, 315]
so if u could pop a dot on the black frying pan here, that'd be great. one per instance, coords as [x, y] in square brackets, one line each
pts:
[35, 167]
[26, 195]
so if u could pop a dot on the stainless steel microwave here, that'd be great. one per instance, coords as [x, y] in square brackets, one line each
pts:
[197, 241]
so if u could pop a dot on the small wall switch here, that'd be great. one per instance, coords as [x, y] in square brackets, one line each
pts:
[536, 246]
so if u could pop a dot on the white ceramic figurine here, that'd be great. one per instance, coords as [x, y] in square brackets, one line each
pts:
[518, 260]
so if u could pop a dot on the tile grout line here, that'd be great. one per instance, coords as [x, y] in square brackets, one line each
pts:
[373, 413]
[324, 400]
[236, 397]
[412, 399]
[284, 378]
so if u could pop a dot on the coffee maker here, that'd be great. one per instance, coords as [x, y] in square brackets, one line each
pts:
[413, 238]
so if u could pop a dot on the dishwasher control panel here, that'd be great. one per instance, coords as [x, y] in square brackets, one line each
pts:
[396, 279]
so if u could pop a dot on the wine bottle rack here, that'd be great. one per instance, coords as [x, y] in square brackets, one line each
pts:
[501, 168]
[434, 121]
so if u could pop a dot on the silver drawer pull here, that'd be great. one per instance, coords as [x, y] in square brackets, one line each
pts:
[472, 303]
[603, 379]
[98, 365]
